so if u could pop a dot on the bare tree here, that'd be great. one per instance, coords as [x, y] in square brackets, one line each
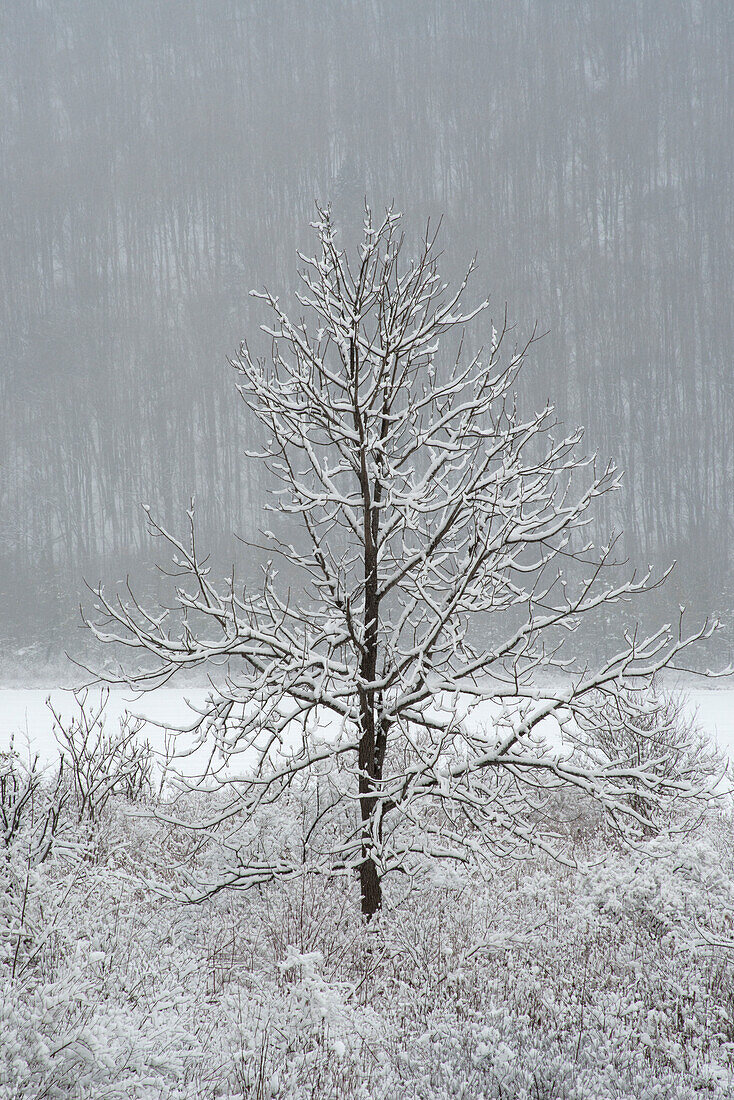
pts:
[408, 684]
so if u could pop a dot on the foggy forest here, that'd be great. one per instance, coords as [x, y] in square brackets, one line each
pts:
[160, 160]
[366, 598]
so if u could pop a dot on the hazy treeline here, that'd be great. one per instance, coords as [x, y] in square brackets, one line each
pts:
[158, 159]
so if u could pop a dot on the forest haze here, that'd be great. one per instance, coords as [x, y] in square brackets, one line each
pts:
[159, 159]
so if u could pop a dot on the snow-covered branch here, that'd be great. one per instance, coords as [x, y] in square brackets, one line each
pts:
[424, 683]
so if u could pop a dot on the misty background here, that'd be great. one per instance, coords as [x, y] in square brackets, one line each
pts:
[159, 158]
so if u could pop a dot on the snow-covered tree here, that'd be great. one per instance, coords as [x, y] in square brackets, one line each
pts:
[418, 684]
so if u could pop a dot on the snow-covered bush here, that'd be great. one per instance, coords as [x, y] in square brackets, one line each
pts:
[101, 762]
[32, 800]
[530, 980]
[640, 727]
[650, 734]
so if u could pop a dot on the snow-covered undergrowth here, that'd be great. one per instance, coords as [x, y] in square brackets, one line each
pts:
[612, 980]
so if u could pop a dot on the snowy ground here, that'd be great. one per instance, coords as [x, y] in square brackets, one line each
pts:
[715, 713]
[612, 980]
[25, 717]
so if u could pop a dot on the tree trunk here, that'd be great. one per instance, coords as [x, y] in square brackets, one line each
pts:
[370, 766]
[371, 888]
[369, 878]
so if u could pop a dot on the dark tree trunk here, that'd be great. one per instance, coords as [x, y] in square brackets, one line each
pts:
[371, 889]
[369, 878]
[370, 757]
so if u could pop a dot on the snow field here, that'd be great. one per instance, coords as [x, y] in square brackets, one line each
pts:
[25, 717]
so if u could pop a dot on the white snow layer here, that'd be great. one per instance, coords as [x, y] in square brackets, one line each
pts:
[26, 719]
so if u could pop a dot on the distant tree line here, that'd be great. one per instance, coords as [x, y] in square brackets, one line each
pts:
[156, 161]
